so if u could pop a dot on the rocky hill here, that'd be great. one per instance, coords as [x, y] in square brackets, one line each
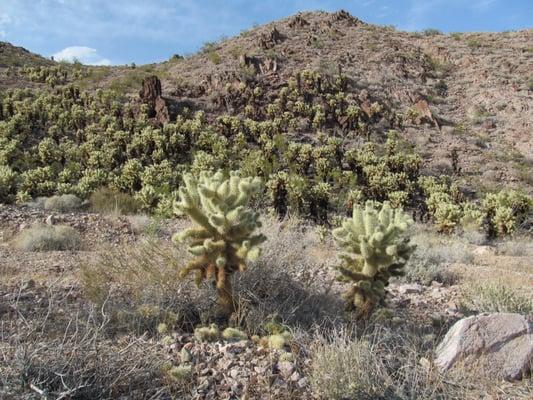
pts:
[13, 56]
[463, 100]
[470, 91]
[473, 90]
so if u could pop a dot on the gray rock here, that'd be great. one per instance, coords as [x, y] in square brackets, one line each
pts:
[410, 288]
[500, 344]
[286, 368]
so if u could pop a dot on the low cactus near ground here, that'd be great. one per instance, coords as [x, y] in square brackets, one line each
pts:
[374, 248]
[224, 238]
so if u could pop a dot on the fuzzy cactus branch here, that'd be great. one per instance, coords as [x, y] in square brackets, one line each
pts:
[224, 238]
[374, 249]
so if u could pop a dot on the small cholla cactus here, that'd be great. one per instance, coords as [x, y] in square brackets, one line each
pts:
[7, 184]
[224, 239]
[506, 210]
[277, 187]
[374, 248]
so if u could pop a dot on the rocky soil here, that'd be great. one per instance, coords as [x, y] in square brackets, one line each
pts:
[223, 369]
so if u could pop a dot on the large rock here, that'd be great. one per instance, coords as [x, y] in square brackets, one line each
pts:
[151, 95]
[500, 345]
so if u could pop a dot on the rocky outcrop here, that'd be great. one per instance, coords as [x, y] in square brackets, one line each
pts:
[151, 95]
[298, 21]
[499, 345]
[270, 39]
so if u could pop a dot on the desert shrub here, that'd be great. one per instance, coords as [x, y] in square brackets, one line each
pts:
[271, 291]
[42, 237]
[64, 202]
[144, 224]
[516, 247]
[374, 248]
[431, 32]
[109, 201]
[223, 239]
[431, 259]
[495, 297]
[343, 369]
[70, 355]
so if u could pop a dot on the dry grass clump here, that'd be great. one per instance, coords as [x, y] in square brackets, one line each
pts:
[291, 281]
[516, 247]
[495, 297]
[381, 363]
[45, 353]
[62, 203]
[108, 201]
[42, 237]
[432, 257]
[139, 287]
[141, 224]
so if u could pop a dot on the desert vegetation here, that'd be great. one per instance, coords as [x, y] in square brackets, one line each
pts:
[264, 235]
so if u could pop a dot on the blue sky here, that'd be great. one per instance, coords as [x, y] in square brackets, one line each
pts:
[143, 31]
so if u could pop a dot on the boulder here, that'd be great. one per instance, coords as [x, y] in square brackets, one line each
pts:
[500, 345]
[151, 95]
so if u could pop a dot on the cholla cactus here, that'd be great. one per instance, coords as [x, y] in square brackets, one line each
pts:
[506, 210]
[374, 249]
[277, 187]
[7, 184]
[224, 239]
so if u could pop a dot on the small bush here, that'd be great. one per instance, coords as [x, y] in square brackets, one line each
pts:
[108, 201]
[431, 32]
[48, 238]
[473, 43]
[517, 247]
[214, 57]
[64, 202]
[432, 257]
[345, 369]
[495, 297]
[143, 224]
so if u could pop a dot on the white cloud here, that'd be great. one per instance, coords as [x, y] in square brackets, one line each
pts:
[85, 55]
[5, 19]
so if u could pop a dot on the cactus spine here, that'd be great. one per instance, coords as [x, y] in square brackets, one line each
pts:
[223, 239]
[374, 248]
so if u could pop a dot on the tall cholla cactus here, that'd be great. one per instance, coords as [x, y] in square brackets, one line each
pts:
[223, 240]
[374, 249]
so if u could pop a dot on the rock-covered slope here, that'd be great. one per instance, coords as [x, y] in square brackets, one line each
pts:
[14, 56]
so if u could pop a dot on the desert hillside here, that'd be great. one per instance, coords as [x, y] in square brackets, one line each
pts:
[317, 208]
[469, 91]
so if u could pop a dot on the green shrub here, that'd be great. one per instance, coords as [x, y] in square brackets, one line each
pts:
[48, 238]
